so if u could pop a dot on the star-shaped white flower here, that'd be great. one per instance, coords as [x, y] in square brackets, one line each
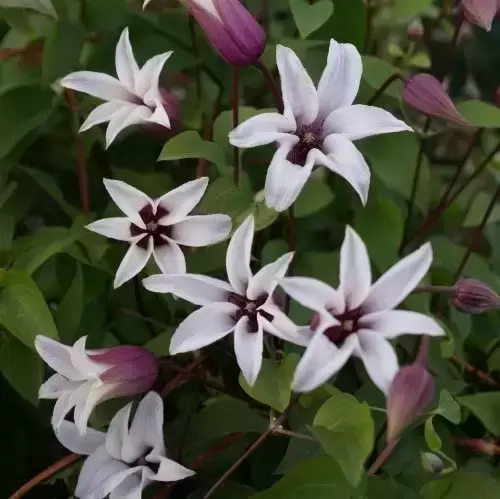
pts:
[85, 378]
[358, 317]
[133, 99]
[245, 305]
[318, 126]
[126, 459]
[158, 226]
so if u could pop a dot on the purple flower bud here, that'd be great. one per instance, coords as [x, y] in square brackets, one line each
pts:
[471, 296]
[411, 391]
[415, 30]
[480, 12]
[232, 30]
[426, 94]
[134, 369]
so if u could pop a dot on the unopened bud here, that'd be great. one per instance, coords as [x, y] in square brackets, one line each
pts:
[415, 30]
[471, 296]
[232, 30]
[412, 389]
[425, 93]
[131, 369]
[480, 12]
[432, 463]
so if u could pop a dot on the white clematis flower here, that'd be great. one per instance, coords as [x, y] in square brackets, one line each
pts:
[157, 226]
[132, 99]
[126, 459]
[244, 305]
[318, 126]
[358, 318]
[85, 378]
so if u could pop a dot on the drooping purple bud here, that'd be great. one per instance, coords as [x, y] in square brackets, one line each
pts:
[411, 391]
[134, 369]
[471, 296]
[426, 94]
[232, 30]
[480, 12]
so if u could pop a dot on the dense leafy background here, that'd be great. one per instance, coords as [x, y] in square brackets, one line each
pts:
[56, 277]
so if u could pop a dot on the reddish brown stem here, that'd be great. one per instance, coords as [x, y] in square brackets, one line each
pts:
[45, 474]
[488, 447]
[80, 153]
[474, 371]
[387, 83]
[382, 457]
[277, 423]
[197, 461]
[236, 119]
[181, 377]
[278, 101]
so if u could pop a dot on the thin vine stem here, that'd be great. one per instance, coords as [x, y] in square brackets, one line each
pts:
[272, 427]
[278, 101]
[236, 152]
[45, 474]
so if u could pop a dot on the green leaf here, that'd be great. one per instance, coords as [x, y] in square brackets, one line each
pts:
[315, 196]
[408, 9]
[478, 209]
[385, 213]
[42, 6]
[273, 386]
[345, 428]
[222, 416]
[44, 244]
[463, 485]
[319, 478]
[24, 109]
[222, 196]
[49, 185]
[62, 50]
[309, 17]
[299, 450]
[421, 60]
[448, 407]
[190, 145]
[486, 407]
[23, 310]
[70, 311]
[22, 367]
[480, 114]
[431, 437]
[375, 73]
[160, 345]
[388, 156]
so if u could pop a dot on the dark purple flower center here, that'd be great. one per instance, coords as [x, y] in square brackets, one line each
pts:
[153, 227]
[348, 325]
[250, 309]
[311, 137]
[141, 461]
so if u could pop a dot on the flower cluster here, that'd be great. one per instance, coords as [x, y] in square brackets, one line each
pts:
[316, 128]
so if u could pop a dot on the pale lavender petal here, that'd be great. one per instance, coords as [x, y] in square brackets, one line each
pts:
[67, 433]
[238, 256]
[102, 114]
[204, 327]
[266, 279]
[134, 261]
[170, 258]
[248, 346]
[98, 85]
[126, 65]
[359, 121]
[129, 115]
[57, 356]
[201, 230]
[114, 228]
[340, 81]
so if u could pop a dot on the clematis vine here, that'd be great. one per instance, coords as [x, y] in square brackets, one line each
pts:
[245, 306]
[318, 126]
[85, 378]
[358, 318]
[232, 30]
[158, 226]
[126, 459]
[133, 99]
